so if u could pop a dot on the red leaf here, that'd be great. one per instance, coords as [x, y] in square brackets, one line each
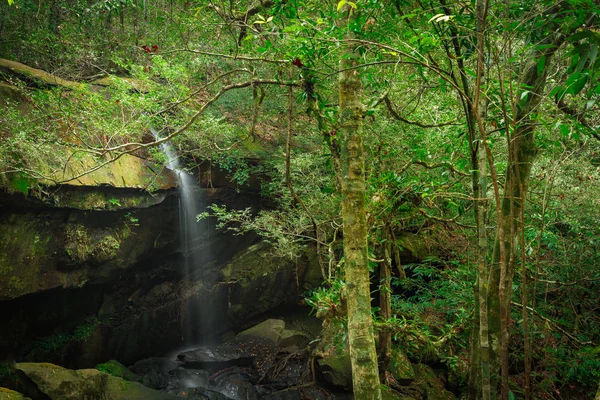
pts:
[297, 62]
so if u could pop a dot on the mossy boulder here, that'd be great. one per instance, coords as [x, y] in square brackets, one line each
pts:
[7, 394]
[259, 282]
[59, 383]
[414, 248]
[337, 370]
[431, 384]
[401, 368]
[115, 368]
[291, 338]
[270, 329]
[389, 394]
[274, 330]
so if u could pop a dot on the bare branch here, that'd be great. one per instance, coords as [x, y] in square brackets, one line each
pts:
[397, 116]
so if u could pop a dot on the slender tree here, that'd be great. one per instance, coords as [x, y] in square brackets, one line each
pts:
[365, 375]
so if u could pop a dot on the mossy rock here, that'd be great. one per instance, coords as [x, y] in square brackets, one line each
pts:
[7, 394]
[431, 384]
[259, 282]
[270, 329]
[290, 338]
[414, 247]
[59, 383]
[24, 251]
[115, 368]
[401, 368]
[337, 370]
[389, 394]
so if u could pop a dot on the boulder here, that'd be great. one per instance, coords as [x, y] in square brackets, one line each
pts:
[270, 329]
[390, 394]
[431, 384]
[401, 368]
[241, 351]
[59, 383]
[115, 368]
[7, 394]
[259, 282]
[337, 370]
[293, 338]
[300, 393]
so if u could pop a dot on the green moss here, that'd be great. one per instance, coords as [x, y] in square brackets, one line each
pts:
[23, 251]
[115, 368]
[58, 341]
[81, 247]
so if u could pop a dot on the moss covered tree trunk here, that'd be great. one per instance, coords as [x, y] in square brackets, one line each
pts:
[365, 376]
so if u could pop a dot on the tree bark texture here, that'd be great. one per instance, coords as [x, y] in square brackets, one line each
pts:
[385, 304]
[365, 375]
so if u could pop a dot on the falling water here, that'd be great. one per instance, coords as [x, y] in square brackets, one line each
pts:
[195, 252]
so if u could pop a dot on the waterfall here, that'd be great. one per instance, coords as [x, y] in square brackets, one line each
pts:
[192, 233]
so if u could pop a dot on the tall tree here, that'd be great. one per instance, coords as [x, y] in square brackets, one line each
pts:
[361, 338]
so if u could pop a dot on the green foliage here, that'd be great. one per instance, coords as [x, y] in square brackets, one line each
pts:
[58, 341]
[115, 368]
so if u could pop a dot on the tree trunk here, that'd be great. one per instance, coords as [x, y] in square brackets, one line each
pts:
[54, 18]
[365, 376]
[385, 305]
[523, 152]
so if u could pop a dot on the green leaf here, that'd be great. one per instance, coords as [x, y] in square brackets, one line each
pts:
[341, 4]
[11, 2]
[541, 65]
[576, 82]
[593, 53]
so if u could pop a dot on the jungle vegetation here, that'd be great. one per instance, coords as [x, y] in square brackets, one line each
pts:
[468, 127]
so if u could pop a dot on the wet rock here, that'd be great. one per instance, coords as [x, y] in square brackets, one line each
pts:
[181, 379]
[301, 393]
[234, 384]
[201, 394]
[241, 351]
[154, 371]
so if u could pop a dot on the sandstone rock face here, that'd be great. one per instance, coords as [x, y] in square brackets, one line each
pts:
[78, 287]
[63, 248]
